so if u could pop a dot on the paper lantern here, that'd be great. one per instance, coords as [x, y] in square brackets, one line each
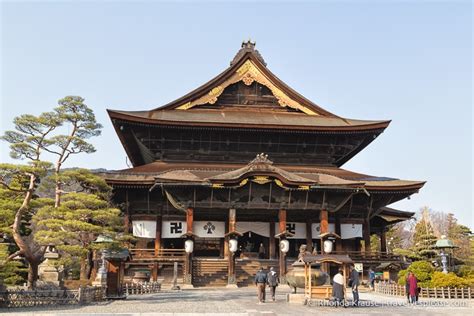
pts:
[189, 246]
[233, 244]
[328, 246]
[284, 246]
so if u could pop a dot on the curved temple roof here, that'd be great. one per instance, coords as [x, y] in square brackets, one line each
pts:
[248, 67]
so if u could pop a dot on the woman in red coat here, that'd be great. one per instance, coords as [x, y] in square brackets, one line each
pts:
[413, 287]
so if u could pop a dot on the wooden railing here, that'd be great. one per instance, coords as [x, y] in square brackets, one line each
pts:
[141, 288]
[372, 256]
[162, 254]
[22, 298]
[426, 292]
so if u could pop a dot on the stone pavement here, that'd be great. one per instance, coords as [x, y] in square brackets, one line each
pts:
[243, 302]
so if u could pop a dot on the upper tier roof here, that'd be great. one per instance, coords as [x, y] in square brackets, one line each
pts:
[203, 107]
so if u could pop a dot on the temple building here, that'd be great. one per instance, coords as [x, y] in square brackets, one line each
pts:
[243, 171]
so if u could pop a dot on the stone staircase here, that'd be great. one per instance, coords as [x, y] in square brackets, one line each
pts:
[247, 268]
[209, 272]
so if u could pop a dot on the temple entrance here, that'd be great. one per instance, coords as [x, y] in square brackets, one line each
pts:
[207, 247]
[252, 245]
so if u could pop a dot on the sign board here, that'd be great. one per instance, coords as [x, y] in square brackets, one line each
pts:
[386, 275]
[359, 267]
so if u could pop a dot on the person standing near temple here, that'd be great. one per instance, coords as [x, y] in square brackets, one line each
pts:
[338, 287]
[272, 280]
[372, 278]
[261, 251]
[354, 284]
[413, 285]
[260, 282]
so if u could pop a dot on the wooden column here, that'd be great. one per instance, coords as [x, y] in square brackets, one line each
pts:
[309, 236]
[158, 235]
[282, 257]
[154, 272]
[126, 218]
[338, 231]
[226, 240]
[383, 241]
[366, 234]
[231, 280]
[188, 263]
[323, 228]
[271, 245]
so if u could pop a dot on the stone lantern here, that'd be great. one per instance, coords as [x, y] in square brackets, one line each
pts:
[444, 245]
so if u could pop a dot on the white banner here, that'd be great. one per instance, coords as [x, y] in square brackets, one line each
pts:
[298, 229]
[144, 229]
[209, 229]
[173, 229]
[351, 231]
[316, 230]
[260, 228]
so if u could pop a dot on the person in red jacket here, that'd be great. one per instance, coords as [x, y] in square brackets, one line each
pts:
[413, 286]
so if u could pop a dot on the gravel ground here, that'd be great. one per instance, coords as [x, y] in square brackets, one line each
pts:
[244, 302]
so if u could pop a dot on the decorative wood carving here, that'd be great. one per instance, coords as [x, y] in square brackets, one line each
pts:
[248, 73]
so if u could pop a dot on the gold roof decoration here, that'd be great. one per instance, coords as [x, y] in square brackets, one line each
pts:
[248, 73]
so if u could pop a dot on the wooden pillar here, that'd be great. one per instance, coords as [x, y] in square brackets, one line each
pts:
[231, 279]
[309, 236]
[338, 231]
[271, 245]
[158, 235]
[282, 229]
[154, 272]
[366, 234]
[323, 228]
[226, 240]
[126, 218]
[383, 241]
[189, 260]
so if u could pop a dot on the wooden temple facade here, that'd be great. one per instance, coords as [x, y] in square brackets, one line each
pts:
[246, 157]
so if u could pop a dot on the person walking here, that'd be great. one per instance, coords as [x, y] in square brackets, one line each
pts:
[371, 278]
[407, 287]
[413, 287]
[354, 284]
[260, 282]
[272, 280]
[338, 287]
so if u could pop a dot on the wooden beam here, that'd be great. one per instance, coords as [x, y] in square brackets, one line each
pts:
[189, 220]
[309, 235]
[158, 235]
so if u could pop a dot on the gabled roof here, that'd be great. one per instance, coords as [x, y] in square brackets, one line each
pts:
[248, 66]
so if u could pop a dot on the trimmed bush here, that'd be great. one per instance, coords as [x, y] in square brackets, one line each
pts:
[423, 271]
[440, 279]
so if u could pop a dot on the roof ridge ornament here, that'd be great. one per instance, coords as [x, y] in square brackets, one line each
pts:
[248, 46]
[261, 159]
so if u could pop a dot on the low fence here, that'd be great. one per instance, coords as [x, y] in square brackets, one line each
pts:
[25, 298]
[426, 292]
[141, 288]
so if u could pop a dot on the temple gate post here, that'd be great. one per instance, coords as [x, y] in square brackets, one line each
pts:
[366, 233]
[282, 255]
[188, 277]
[323, 228]
[231, 277]
[271, 245]
[309, 236]
[383, 240]
[338, 232]
[154, 272]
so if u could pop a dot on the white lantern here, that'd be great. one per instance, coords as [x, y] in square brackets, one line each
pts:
[328, 246]
[233, 245]
[189, 246]
[284, 246]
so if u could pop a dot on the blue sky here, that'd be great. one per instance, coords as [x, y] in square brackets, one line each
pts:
[406, 61]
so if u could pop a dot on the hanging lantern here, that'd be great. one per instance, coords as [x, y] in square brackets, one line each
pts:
[189, 246]
[328, 246]
[233, 244]
[284, 246]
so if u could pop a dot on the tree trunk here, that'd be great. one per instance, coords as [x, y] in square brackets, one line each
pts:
[89, 265]
[32, 273]
[83, 274]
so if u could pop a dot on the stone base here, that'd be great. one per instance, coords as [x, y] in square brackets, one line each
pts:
[232, 286]
[295, 298]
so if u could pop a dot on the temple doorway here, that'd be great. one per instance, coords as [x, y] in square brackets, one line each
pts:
[253, 245]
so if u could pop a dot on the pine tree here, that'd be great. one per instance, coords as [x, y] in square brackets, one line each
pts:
[424, 239]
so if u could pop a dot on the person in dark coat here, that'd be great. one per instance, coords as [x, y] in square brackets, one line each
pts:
[407, 287]
[338, 287]
[261, 251]
[354, 284]
[272, 280]
[260, 282]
